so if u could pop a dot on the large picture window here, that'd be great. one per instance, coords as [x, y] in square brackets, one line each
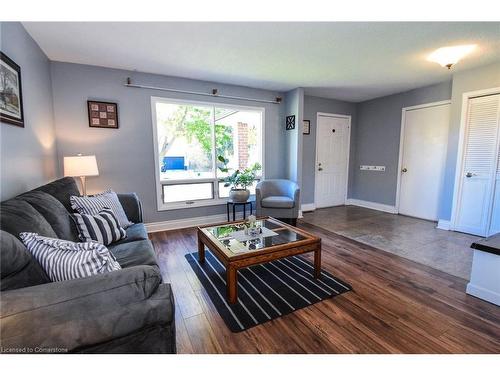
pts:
[189, 137]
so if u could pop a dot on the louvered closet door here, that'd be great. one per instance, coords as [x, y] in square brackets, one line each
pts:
[479, 169]
[495, 214]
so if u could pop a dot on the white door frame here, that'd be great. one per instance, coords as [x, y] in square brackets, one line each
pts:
[457, 191]
[326, 114]
[402, 138]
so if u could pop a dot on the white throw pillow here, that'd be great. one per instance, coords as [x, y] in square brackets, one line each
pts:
[66, 260]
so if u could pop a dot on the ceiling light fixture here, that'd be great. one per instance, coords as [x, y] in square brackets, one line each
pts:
[449, 56]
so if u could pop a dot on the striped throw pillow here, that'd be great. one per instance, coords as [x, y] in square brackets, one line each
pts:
[103, 227]
[66, 260]
[92, 205]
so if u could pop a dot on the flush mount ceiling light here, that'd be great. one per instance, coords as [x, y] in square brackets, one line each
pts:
[449, 56]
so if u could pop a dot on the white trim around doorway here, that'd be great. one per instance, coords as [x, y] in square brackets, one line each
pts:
[461, 147]
[349, 118]
[401, 141]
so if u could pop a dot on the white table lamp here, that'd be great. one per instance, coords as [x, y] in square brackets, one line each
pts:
[81, 166]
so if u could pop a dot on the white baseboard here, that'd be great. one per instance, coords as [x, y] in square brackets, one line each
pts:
[372, 205]
[487, 295]
[444, 224]
[308, 207]
[184, 223]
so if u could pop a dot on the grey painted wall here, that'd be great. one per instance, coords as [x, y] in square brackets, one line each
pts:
[470, 80]
[313, 105]
[294, 105]
[28, 155]
[125, 156]
[378, 129]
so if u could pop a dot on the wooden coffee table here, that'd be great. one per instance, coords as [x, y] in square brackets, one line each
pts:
[236, 253]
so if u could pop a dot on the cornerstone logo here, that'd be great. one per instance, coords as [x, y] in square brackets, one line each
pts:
[30, 350]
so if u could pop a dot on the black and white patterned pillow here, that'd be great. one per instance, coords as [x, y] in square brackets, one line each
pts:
[66, 260]
[103, 227]
[92, 205]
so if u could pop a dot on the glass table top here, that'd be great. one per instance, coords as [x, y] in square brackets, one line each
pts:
[272, 234]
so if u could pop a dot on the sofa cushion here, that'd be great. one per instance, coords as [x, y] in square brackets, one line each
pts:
[134, 253]
[275, 201]
[18, 268]
[17, 215]
[131, 205]
[61, 189]
[54, 212]
[135, 232]
[89, 313]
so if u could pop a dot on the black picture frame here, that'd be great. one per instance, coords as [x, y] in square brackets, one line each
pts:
[10, 74]
[91, 114]
[290, 122]
[306, 127]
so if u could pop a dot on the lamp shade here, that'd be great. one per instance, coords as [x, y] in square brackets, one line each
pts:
[78, 166]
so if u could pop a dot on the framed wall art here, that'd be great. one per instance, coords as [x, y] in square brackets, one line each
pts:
[103, 114]
[11, 96]
[290, 122]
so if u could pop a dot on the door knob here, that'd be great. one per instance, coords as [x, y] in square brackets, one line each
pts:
[470, 174]
[320, 169]
[404, 170]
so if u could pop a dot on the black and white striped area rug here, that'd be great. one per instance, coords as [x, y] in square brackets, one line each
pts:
[267, 291]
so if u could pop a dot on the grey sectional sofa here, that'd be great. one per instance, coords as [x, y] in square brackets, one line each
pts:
[126, 311]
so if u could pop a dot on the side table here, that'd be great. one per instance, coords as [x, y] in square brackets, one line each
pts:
[234, 204]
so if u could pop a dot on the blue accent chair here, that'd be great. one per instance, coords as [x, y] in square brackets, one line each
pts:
[278, 198]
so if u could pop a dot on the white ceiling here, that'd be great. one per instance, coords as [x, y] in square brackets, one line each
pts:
[348, 61]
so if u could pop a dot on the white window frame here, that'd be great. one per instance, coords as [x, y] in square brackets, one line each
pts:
[161, 205]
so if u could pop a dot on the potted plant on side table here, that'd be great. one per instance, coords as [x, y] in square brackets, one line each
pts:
[239, 180]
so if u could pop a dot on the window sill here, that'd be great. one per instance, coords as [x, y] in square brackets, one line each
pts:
[200, 203]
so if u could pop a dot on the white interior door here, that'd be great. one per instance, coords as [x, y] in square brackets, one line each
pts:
[425, 138]
[332, 151]
[474, 213]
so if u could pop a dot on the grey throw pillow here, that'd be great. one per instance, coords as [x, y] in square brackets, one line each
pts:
[92, 205]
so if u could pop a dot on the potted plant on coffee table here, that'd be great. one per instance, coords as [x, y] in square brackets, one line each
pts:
[239, 180]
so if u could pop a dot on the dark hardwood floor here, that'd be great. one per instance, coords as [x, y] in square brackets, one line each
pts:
[397, 306]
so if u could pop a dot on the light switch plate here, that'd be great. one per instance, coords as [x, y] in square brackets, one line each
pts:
[374, 168]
